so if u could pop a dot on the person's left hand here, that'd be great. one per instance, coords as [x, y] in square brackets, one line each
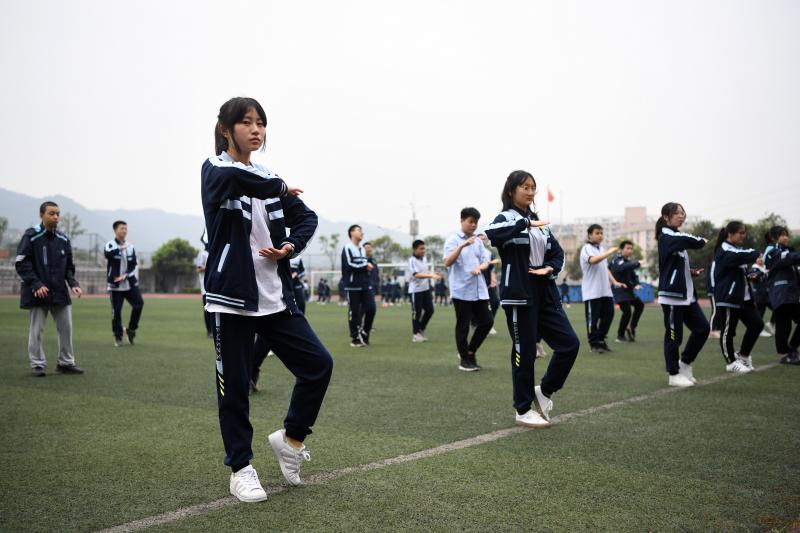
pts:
[119, 278]
[637, 287]
[696, 271]
[476, 272]
[275, 253]
[544, 271]
[77, 291]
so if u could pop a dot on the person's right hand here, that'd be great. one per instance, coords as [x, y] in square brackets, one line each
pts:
[613, 249]
[468, 242]
[437, 276]
[294, 191]
[538, 223]
[370, 266]
[41, 292]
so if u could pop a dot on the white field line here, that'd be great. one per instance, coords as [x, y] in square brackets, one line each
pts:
[324, 477]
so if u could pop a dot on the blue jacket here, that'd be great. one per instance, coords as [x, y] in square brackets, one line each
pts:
[730, 274]
[228, 189]
[672, 261]
[782, 276]
[509, 234]
[113, 254]
[354, 268]
[44, 259]
[624, 271]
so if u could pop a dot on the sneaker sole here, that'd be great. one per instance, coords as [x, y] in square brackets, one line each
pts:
[464, 369]
[249, 500]
[533, 426]
[282, 464]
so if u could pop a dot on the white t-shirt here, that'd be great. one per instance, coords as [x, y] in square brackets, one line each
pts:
[538, 246]
[667, 300]
[418, 266]
[202, 259]
[270, 288]
[595, 282]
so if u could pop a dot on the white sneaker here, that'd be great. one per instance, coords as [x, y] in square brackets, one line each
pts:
[686, 371]
[246, 486]
[492, 331]
[738, 367]
[765, 333]
[679, 380]
[541, 403]
[289, 457]
[748, 361]
[532, 419]
[418, 338]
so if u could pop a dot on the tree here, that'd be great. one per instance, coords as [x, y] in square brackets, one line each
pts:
[70, 225]
[173, 259]
[3, 227]
[574, 270]
[434, 246]
[386, 250]
[330, 247]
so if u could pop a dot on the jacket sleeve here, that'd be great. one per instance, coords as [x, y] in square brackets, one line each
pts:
[24, 264]
[301, 220]
[554, 257]
[502, 230]
[728, 258]
[675, 242]
[111, 250]
[69, 274]
[132, 264]
[223, 180]
[778, 259]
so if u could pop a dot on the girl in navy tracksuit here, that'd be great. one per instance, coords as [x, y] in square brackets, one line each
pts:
[735, 297]
[783, 281]
[249, 289]
[532, 259]
[677, 295]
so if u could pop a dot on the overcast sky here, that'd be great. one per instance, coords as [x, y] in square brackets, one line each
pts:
[375, 105]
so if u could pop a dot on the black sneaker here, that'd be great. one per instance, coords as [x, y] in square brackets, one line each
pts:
[467, 366]
[69, 369]
[605, 347]
[474, 361]
[596, 348]
[38, 371]
[792, 358]
[117, 341]
[357, 343]
[621, 339]
[131, 333]
[631, 334]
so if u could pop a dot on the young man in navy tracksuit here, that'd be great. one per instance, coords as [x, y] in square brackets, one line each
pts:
[624, 271]
[735, 297]
[677, 296]
[122, 273]
[44, 263]
[532, 259]
[356, 284]
[249, 289]
[783, 281]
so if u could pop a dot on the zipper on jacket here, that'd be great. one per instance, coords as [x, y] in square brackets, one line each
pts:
[672, 279]
[224, 256]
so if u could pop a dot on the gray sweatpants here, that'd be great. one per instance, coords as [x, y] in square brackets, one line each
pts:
[63, 318]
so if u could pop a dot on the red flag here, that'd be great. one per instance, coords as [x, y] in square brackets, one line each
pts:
[550, 196]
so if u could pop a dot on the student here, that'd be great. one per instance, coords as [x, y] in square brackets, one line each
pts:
[247, 212]
[374, 286]
[677, 295]
[564, 288]
[44, 263]
[441, 291]
[466, 258]
[356, 284]
[782, 265]
[419, 287]
[623, 269]
[122, 272]
[734, 296]
[596, 288]
[200, 262]
[532, 259]
[298, 271]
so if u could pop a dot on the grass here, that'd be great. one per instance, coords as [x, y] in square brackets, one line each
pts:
[137, 435]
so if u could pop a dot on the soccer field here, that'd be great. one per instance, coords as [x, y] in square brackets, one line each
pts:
[137, 435]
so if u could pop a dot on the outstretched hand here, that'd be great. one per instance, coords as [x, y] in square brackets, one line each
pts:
[538, 223]
[294, 191]
[275, 253]
[544, 271]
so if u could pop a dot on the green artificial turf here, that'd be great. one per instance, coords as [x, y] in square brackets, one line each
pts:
[137, 435]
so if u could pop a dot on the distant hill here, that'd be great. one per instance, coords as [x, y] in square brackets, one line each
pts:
[149, 228]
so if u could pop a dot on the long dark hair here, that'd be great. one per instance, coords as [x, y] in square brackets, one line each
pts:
[514, 180]
[731, 227]
[667, 210]
[230, 113]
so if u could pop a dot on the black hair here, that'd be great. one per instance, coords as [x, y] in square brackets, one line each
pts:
[731, 227]
[593, 227]
[367, 243]
[768, 238]
[351, 228]
[45, 205]
[470, 212]
[417, 243]
[625, 243]
[118, 223]
[514, 180]
[667, 210]
[775, 232]
[231, 113]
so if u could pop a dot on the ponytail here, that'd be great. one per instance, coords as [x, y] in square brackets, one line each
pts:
[731, 227]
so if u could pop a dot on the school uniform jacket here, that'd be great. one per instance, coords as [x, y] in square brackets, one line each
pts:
[509, 234]
[374, 274]
[228, 189]
[624, 271]
[672, 261]
[729, 272]
[113, 254]
[783, 281]
[354, 268]
[44, 259]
